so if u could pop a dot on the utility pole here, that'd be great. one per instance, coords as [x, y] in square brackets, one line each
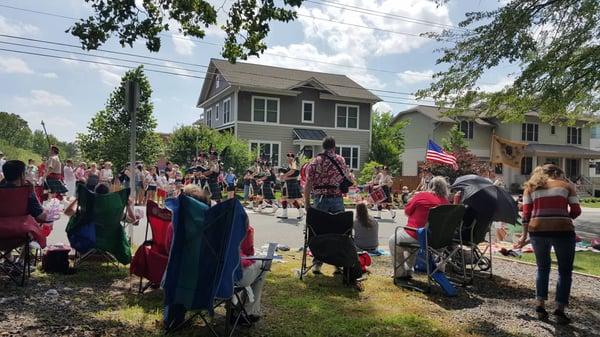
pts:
[132, 102]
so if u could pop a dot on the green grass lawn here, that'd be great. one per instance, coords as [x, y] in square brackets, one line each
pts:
[318, 306]
[585, 262]
[591, 204]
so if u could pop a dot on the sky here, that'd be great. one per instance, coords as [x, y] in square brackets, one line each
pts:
[67, 93]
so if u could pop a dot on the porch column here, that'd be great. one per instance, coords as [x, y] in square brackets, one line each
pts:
[534, 161]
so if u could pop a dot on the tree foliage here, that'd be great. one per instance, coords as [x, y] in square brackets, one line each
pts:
[367, 172]
[15, 130]
[246, 28]
[467, 162]
[387, 140]
[108, 134]
[555, 45]
[187, 141]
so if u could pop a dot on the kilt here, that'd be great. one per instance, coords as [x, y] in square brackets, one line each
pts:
[291, 189]
[267, 191]
[230, 188]
[215, 190]
[388, 193]
[55, 185]
[255, 188]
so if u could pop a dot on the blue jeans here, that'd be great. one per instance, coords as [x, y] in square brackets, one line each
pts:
[331, 205]
[564, 248]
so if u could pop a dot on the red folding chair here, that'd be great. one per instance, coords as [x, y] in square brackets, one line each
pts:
[150, 260]
[17, 230]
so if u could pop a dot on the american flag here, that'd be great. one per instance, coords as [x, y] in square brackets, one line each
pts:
[436, 154]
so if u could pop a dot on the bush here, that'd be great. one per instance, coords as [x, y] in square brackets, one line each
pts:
[366, 174]
[12, 152]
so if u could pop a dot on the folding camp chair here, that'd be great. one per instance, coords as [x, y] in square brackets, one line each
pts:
[329, 237]
[150, 260]
[96, 227]
[439, 246]
[204, 262]
[474, 257]
[17, 229]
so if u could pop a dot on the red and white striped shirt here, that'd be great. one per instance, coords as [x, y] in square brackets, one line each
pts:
[551, 208]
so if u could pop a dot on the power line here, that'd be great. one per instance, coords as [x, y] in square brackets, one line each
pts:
[180, 37]
[146, 69]
[372, 12]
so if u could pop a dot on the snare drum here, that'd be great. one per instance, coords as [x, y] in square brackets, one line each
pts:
[378, 195]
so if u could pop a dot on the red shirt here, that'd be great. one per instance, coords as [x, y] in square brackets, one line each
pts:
[247, 247]
[418, 207]
[322, 172]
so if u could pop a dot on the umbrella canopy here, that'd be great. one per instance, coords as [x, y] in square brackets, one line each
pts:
[486, 198]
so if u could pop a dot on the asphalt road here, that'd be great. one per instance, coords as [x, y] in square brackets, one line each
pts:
[268, 228]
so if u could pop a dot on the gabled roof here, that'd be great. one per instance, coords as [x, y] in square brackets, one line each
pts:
[268, 77]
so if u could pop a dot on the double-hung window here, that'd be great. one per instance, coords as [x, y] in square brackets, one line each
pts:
[346, 116]
[529, 132]
[208, 116]
[574, 135]
[350, 154]
[308, 112]
[526, 165]
[227, 111]
[466, 127]
[265, 109]
[266, 150]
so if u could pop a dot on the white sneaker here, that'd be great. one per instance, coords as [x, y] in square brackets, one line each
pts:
[393, 214]
[378, 215]
[301, 213]
[284, 214]
[316, 269]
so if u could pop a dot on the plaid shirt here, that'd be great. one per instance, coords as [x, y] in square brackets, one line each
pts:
[322, 172]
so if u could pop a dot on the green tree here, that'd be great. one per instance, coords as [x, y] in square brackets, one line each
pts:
[246, 28]
[367, 172]
[15, 130]
[186, 141]
[455, 140]
[387, 140]
[39, 145]
[553, 42]
[108, 133]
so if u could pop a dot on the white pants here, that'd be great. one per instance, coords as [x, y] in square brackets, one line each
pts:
[253, 277]
[70, 187]
[403, 260]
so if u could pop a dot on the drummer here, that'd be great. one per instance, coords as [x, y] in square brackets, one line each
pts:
[291, 188]
[54, 176]
[386, 182]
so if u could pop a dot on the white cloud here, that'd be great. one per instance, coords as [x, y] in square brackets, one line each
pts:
[183, 45]
[411, 77]
[43, 98]
[14, 65]
[50, 75]
[499, 85]
[16, 27]
[172, 67]
[109, 75]
[382, 107]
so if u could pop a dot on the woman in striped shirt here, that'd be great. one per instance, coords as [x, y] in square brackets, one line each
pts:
[550, 204]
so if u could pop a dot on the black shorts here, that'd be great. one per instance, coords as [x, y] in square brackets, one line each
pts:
[215, 190]
[230, 188]
[388, 193]
[151, 188]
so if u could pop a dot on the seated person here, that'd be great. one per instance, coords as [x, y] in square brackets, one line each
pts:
[417, 211]
[14, 176]
[405, 195]
[103, 188]
[366, 229]
[196, 192]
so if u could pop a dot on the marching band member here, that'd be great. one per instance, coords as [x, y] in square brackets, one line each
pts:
[54, 174]
[214, 169]
[291, 188]
[386, 182]
[268, 180]
[254, 191]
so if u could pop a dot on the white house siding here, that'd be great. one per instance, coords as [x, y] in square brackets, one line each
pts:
[284, 135]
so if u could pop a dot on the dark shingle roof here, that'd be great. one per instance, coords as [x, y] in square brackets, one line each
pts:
[309, 134]
[256, 75]
[574, 151]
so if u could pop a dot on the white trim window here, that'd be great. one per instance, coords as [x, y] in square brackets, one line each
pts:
[265, 109]
[208, 117]
[466, 127]
[529, 132]
[308, 111]
[271, 150]
[351, 155]
[526, 165]
[573, 135]
[217, 106]
[346, 116]
[227, 111]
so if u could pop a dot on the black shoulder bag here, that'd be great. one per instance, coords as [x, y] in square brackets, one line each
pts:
[345, 184]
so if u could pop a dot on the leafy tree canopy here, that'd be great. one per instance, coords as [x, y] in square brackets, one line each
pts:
[246, 28]
[39, 145]
[555, 45]
[15, 130]
[387, 140]
[108, 132]
[367, 172]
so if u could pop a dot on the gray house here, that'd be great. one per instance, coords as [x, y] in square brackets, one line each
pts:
[279, 110]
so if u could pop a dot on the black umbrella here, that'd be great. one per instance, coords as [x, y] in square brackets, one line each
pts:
[486, 198]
